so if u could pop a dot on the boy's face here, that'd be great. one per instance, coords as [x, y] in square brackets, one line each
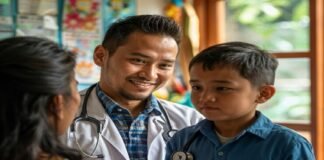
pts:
[222, 94]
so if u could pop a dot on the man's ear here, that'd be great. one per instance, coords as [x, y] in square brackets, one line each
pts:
[266, 92]
[57, 108]
[99, 55]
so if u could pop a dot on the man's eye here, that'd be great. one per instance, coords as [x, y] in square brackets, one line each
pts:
[166, 66]
[223, 89]
[138, 61]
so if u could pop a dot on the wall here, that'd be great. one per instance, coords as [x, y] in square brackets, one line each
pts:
[151, 6]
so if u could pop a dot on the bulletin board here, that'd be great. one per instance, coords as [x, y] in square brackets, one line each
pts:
[78, 25]
[6, 19]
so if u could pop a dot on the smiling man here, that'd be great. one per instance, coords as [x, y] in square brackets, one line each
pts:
[136, 57]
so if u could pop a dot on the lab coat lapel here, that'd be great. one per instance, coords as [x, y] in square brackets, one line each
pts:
[155, 139]
[110, 132]
[155, 127]
[111, 135]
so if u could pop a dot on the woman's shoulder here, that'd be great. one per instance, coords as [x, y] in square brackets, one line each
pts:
[45, 156]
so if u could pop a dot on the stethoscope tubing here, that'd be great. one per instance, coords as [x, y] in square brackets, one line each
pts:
[84, 117]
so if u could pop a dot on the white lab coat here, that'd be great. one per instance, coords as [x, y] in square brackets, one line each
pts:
[111, 144]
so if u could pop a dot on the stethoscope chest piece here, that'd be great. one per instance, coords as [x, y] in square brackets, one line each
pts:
[182, 156]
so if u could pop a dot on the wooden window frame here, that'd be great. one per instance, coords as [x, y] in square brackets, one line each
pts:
[211, 15]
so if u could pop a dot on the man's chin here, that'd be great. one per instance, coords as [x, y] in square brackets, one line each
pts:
[137, 96]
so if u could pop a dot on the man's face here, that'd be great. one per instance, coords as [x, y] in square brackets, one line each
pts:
[138, 67]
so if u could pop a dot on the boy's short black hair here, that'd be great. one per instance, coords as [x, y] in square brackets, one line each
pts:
[253, 63]
[119, 31]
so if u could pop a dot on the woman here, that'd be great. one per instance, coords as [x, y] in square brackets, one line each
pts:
[38, 98]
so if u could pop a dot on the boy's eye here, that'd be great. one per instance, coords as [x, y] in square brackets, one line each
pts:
[195, 88]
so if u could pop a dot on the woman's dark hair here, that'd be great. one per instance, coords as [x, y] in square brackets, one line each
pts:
[33, 71]
[119, 31]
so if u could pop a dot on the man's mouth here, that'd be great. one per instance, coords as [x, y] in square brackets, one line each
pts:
[142, 83]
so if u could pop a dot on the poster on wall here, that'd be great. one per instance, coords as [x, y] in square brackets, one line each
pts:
[38, 7]
[84, 25]
[36, 25]
[115, 9]
[6, 20]
[81, 34]
[37, 18]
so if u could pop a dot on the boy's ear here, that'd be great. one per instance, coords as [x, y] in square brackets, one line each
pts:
[99, 55]
[57, 108]
[266, 92]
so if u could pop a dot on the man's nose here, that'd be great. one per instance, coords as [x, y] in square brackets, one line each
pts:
[149, 72]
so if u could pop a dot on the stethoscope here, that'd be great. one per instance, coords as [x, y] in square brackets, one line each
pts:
[183, 154]
[168, 131]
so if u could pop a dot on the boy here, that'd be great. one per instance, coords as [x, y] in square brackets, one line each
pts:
[228, 82]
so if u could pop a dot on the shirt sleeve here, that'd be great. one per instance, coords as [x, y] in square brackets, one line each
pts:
[300, 150]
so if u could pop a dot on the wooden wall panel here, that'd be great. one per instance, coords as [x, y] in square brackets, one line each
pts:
[211, 15]
[317, 76]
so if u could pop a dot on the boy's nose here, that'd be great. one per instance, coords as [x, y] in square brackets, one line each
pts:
[206, 97]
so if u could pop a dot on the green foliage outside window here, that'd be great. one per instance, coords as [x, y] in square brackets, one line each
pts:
[277, 26]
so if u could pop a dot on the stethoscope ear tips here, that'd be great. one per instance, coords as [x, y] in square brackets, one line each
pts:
[182, 156]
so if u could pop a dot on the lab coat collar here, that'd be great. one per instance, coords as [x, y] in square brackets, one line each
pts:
[109, 129]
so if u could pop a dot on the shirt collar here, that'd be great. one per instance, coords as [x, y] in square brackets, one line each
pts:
[152, 105]
[261, 127]
[109, 105]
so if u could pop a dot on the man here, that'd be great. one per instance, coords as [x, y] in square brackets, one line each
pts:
[120, 118]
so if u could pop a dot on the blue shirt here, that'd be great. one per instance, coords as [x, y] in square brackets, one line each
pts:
[132, 130]
[263, 140]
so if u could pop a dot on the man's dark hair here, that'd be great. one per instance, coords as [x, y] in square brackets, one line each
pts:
[253, 63]
[119, 31]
